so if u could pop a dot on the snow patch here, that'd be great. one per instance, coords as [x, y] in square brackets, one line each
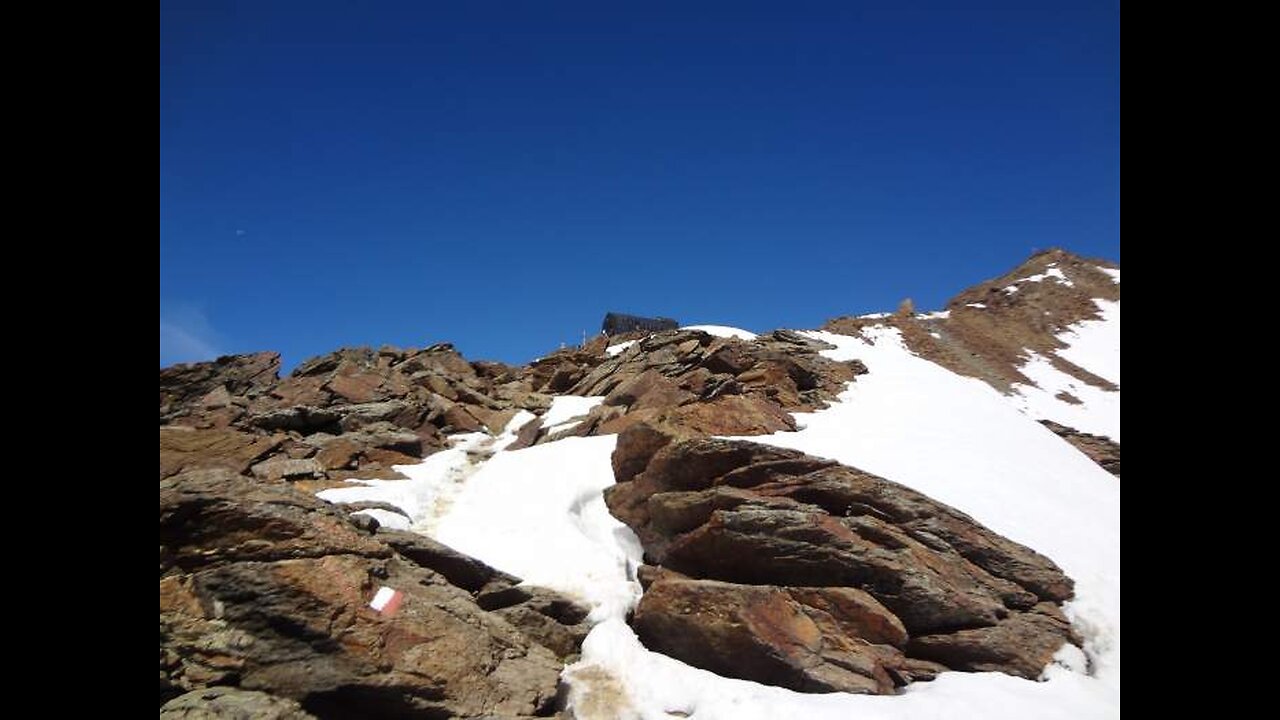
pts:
[723, 331]
[980, 306]
[1050, 272]
[568, 407]
[433, 483]
[1115, 274]
[938, 315]
[620, 347]
[386, 518]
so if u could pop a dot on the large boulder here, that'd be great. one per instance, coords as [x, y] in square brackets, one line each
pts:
[267, 589]
[798, 542]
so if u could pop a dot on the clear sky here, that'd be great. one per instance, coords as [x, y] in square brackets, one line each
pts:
[501, 174]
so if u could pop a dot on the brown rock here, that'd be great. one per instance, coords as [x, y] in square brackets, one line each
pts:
[354, 385]
[287, 469]
[734, 415]
[209, 516]
[1023, 644]
[189, 388]
[458, 419]
[340, 453]
[184, 449]
[766, 634]
[869, 560]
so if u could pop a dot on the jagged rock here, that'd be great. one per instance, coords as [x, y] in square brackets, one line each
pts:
[267, 588]
[184, 386]
[1022, 645]
[711, 385]
[183, 449]
[229, 703]
[759, 516]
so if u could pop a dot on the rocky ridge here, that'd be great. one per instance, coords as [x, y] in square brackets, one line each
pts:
[988, 330]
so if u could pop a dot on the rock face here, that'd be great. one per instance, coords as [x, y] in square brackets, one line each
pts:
[785, 568]
[266, 589]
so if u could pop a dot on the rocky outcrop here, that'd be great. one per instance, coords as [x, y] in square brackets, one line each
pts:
[351, 413]
[210, 389]
[1102, 450]
[692, 380]
[266, 589]
[791, 569]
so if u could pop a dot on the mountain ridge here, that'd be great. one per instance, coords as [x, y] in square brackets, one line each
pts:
[426, 441]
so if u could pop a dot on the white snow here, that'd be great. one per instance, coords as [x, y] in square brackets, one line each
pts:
[568, 407]
[980, 306]
[938, 315]
[1095, 344]
[874, 316]
[386, 518]
[1050, 272]
[1011, 289]
[433, 483]
[620, 347]
[723, 331]
[1115, 274]
[538, 514]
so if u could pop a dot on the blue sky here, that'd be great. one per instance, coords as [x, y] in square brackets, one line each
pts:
[501, 174]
